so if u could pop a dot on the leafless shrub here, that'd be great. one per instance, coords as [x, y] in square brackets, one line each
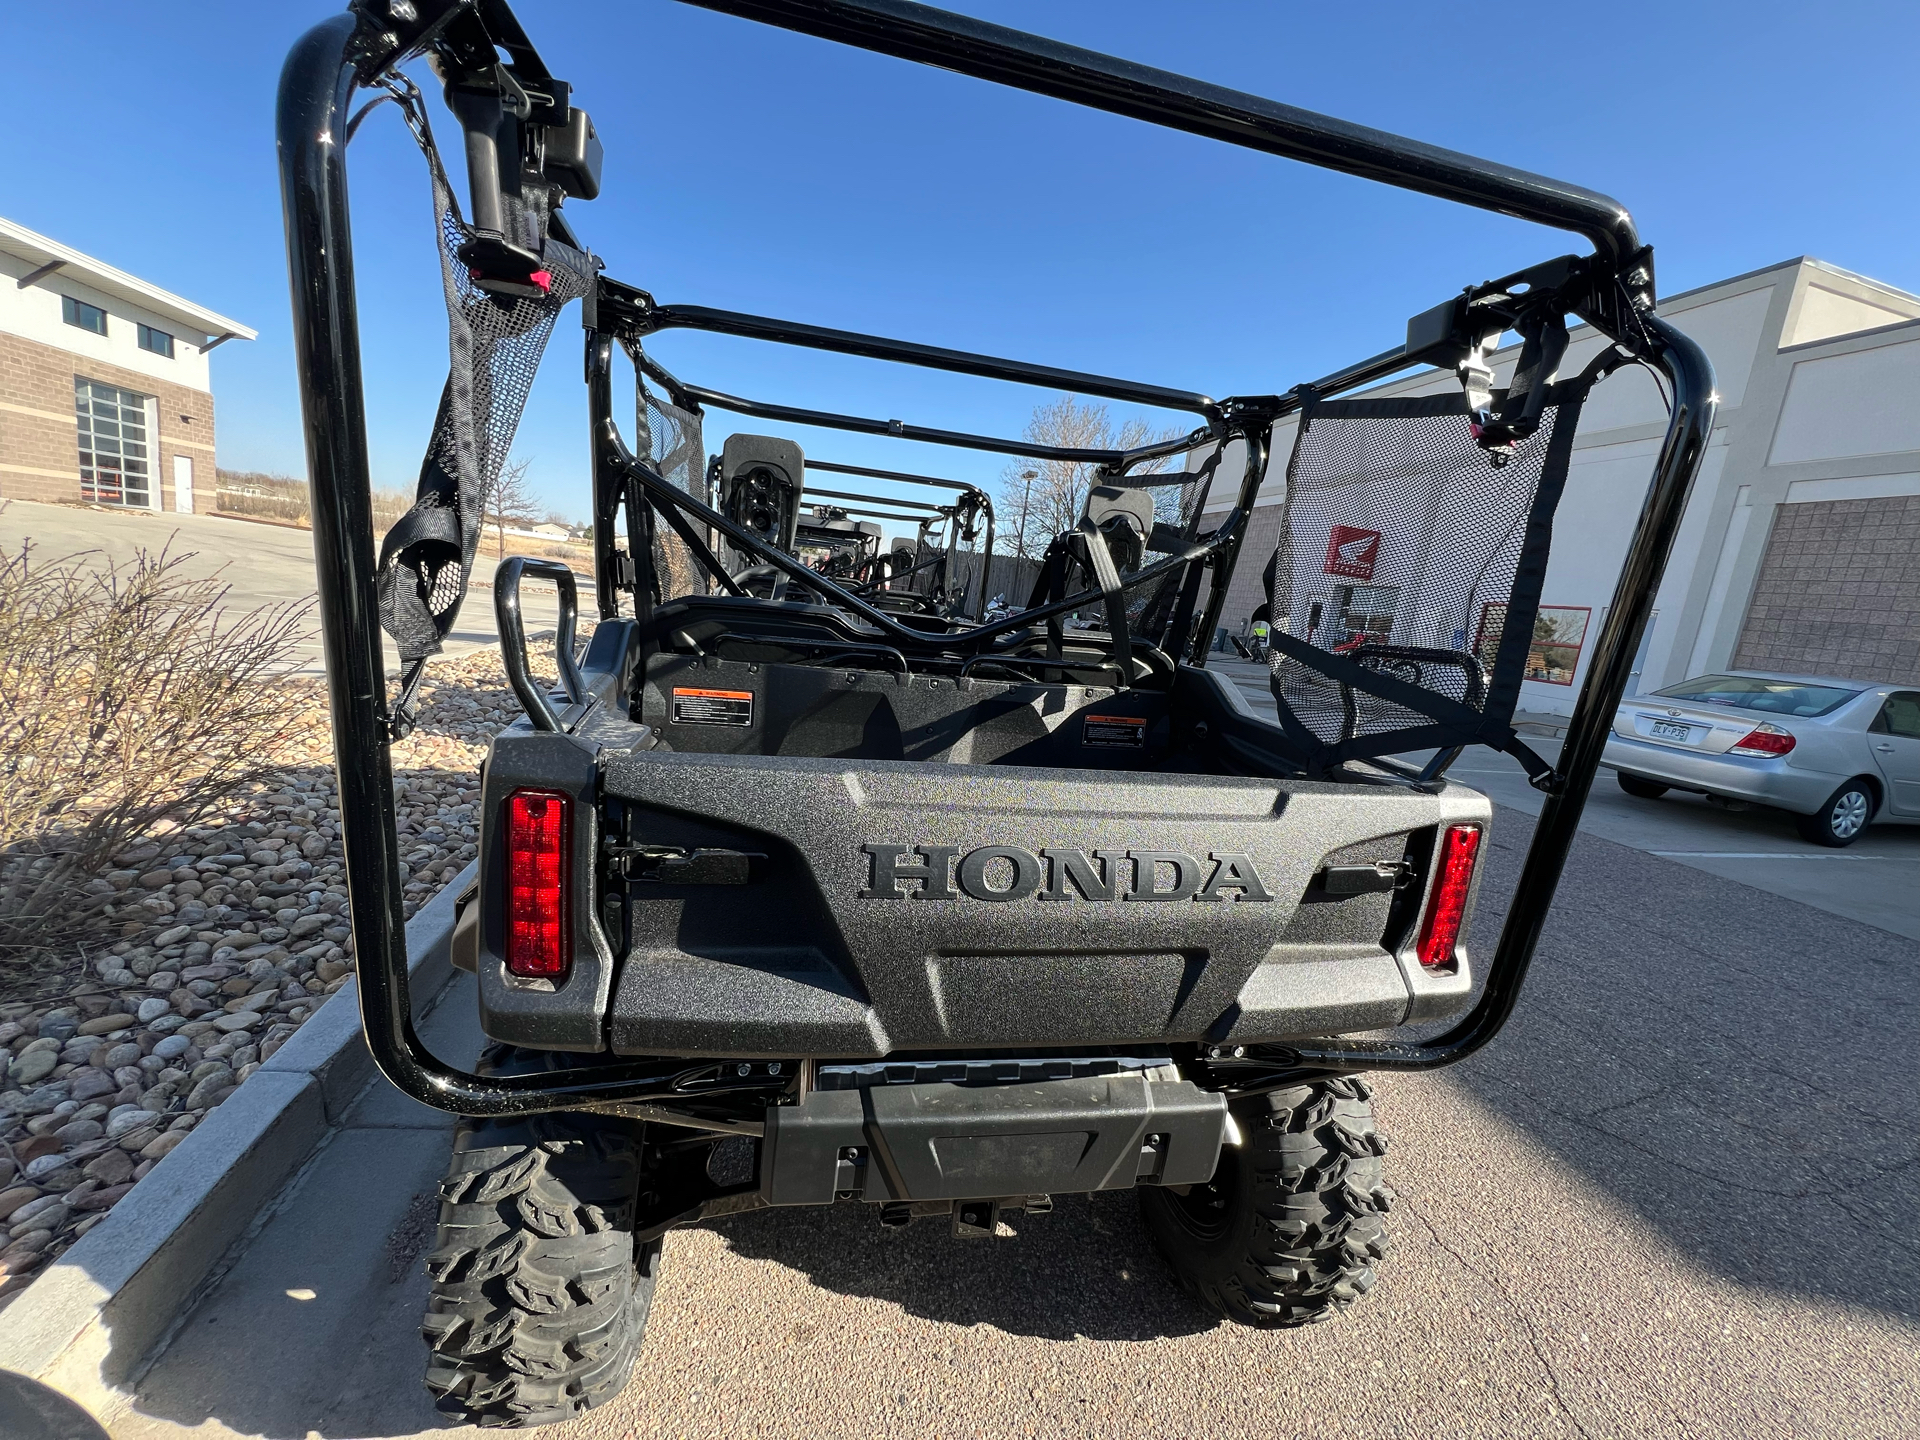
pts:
[128, 697]
[388, 507]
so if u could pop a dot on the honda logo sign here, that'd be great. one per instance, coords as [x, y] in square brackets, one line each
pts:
[1352, 552]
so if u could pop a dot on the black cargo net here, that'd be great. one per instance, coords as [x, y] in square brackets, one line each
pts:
[494, 343]
[1179, 497]
[1407, 581]
[670, 438]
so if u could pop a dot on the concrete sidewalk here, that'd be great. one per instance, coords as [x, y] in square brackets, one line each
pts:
[314, 1329]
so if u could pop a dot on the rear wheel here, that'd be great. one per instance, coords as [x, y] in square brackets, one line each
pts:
[1641, 789]
[1289, 1229]
[1843, 819]
[539, 1298]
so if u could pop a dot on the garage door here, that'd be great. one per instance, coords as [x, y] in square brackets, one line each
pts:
[1838, 592]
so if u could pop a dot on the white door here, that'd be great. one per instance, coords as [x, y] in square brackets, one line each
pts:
[1895, 740]
[183, 484]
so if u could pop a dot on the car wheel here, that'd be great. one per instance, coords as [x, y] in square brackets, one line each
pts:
[1843, 819]
[1641, 789]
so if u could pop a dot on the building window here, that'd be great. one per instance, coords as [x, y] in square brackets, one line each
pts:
[113, 445]
[158, 341]
[87, 317]
[1366, 613]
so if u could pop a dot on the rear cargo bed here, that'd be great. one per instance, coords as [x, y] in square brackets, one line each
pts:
[859, 907]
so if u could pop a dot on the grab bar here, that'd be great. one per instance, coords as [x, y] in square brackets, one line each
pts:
[513, 637]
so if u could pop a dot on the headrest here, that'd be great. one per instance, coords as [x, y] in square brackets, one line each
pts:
[1125, 517]
[1106, 503]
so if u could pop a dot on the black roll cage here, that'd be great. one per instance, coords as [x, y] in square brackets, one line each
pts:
[1612, 289]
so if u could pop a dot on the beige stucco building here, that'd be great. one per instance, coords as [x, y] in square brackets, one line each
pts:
[105, 386]
[1800, 550]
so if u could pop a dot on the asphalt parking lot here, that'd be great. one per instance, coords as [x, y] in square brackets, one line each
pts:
[261, 564]
[1677, 1198]
[1876, 879]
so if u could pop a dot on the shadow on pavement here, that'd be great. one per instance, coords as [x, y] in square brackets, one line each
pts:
[1729, 1064]
[1088, 1269]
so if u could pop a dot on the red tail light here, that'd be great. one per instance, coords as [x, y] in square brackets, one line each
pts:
[1447, 906]
[539, 835]
[1763, 740]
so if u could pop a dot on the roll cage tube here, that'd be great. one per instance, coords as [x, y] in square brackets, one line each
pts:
[907, 352]
[1102, 82]
[317, 84]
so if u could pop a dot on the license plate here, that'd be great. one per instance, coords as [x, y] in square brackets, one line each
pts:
[1667, 730]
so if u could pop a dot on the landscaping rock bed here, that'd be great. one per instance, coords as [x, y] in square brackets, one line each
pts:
[219, 942]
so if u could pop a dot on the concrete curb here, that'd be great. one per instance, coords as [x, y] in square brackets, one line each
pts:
[86, 1326]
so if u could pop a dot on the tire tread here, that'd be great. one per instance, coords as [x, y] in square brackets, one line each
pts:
[538, 1299]
[1310, 1231]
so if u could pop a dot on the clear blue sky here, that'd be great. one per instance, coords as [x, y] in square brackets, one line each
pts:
[770, 172]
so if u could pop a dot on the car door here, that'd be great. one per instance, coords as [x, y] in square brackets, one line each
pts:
[1894, 740]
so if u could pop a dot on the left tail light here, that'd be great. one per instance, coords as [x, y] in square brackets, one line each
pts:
[539, 842]
[1447, 905]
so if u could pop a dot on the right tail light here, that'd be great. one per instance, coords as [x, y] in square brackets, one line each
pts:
[1447, 905]
[539, 837]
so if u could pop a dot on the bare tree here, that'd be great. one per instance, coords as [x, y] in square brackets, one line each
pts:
[510, 501]
[1041, 498]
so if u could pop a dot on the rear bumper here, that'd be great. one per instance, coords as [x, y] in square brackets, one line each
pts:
[888, 1143]
[1764, 780]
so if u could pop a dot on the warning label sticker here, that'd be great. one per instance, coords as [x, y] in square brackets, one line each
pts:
[712, 707]
[1107, 732]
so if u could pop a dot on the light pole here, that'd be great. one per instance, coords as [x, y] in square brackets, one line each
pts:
[1027, 477]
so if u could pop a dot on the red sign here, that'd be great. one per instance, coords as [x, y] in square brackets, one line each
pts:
[1351, 552]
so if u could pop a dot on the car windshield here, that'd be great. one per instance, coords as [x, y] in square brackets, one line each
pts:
[1750, 692]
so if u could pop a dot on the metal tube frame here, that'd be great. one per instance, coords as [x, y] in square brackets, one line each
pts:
[972, 498]
[317, 85]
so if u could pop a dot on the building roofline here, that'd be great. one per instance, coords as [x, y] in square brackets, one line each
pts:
[40, 250]
[1889, 328]
[1798, 262]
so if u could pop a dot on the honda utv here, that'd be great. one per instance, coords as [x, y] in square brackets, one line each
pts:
[825, 874]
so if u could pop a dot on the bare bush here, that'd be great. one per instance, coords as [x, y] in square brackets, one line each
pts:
[388, 507]
[128, 698]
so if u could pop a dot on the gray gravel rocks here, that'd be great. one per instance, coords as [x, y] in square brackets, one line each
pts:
[223, 938]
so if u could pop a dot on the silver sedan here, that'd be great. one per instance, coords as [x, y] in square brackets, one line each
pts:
[1837, 754]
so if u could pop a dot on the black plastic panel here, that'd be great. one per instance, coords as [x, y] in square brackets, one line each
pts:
[878, 715]
[960, 1142]
[936, 906]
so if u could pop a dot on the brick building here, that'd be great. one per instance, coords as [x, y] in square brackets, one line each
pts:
[105, 387]
[1800, 551]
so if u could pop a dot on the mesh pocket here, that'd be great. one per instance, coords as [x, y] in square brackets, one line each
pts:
[1406, 557]
[672, 441]
[495, 344]
[1178, 498]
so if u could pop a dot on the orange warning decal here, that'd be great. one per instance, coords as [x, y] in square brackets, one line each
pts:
[712, 707]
